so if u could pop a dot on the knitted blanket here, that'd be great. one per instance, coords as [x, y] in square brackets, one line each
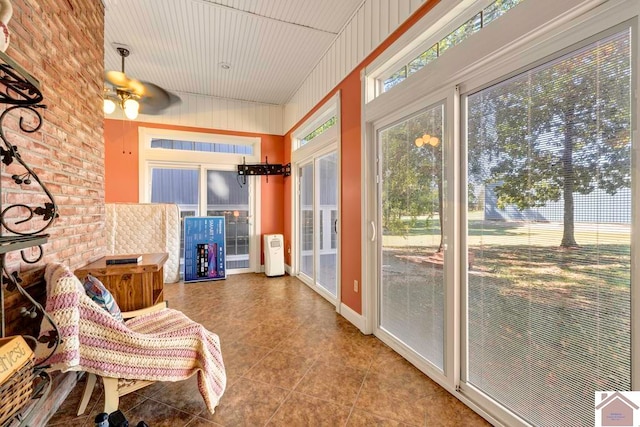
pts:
[162, 346]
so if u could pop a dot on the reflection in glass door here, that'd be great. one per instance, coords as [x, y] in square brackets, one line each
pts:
[318, 222]
[411, 300]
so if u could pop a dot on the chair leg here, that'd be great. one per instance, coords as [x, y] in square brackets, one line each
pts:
[111, 397]
[88, 390]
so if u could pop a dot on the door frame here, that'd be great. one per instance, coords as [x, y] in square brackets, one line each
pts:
[325, 143]
[203, 161]
[373, 246]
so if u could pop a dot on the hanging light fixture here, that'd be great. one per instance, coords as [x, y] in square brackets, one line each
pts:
[125, 100]
[131, 108]
[132, 95]
[108, 106]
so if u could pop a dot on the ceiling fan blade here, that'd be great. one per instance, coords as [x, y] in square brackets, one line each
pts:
[154, 99]
[122, 81]
[116, 78]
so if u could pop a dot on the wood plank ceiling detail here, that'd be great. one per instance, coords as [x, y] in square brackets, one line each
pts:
[271, 46]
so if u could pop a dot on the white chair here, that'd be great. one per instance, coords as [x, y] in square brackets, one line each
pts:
[114, 388]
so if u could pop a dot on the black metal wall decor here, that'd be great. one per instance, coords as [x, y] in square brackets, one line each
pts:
[265, 168]
[18, 86]
[22, 225]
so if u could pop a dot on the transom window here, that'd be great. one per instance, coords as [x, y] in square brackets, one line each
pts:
[322, 126]
[319, 130]
[208, 147]
[480, 20]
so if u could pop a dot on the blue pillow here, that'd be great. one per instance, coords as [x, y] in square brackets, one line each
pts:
[101, 296]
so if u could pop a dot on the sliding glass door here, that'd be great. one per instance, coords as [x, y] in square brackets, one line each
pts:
[179, 186]
[411, 293]
[498, 245]
[318, 223]
[225, 197]
[548, 301]
[204, 191]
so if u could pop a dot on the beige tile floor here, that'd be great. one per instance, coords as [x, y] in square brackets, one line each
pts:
[290, 361]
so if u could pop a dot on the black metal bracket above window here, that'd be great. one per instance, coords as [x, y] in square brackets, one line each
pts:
[265, 168]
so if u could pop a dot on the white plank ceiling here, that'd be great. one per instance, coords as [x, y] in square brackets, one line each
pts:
[271, 45]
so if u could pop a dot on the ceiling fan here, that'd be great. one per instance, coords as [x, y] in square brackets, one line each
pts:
[134, 96]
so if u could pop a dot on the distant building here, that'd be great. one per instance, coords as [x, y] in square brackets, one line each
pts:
[597, 206]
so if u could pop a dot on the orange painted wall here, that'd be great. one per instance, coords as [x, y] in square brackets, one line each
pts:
[121, 167]
[272, 192]
[120, 161]
[351, 131]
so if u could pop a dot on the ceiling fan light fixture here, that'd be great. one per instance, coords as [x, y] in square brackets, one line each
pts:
[131, 108]
[108, 106]
[133, 96]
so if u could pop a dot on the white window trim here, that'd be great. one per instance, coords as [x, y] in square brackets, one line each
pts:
[329, 109]
[145, 136]
[183, 159]
[533, 31]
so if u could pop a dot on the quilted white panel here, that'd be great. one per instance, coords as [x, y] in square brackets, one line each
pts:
[144, 228]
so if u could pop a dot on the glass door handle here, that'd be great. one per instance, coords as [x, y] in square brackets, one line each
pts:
[373, 231]
[335, 226]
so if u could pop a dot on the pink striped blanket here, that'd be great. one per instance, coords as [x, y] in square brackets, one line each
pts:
[162, 346]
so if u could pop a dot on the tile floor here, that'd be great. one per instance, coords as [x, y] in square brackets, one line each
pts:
[290, 361]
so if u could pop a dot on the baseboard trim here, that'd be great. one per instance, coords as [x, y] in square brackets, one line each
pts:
[287, 269]
[355, 318]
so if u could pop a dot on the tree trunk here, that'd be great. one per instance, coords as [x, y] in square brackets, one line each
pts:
[568, 237]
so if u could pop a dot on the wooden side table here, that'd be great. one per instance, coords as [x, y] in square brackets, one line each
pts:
[133, 286]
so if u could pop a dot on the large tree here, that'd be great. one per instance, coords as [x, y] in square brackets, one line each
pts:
[555, 131]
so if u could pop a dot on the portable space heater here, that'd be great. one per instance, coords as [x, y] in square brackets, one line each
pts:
[273, 255]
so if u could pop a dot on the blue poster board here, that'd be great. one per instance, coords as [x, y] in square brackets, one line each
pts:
[204, 251]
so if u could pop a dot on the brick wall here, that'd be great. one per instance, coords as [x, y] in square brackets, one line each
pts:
[60, 42]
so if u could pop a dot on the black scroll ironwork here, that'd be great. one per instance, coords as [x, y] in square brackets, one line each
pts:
[22, 93]
[17, 86]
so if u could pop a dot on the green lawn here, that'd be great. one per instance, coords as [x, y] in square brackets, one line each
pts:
[547, 324]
